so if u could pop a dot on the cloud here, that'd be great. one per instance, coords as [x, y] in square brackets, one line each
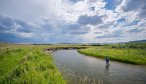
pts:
[11, 38]
[6, 23]
[74, 1]
[55, 21]
[75, 29]
[78, 33]
[15, 27]
[89, 20]
[23, 26]
[137, 6]
[136, 30]
[134, 5]
[82, 30]
[143, 12]
[114, 34]
[42, 32]
[106, 25]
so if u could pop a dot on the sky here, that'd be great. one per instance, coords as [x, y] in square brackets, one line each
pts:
[72, 21]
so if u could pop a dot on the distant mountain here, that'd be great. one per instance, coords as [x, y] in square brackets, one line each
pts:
[141, 41]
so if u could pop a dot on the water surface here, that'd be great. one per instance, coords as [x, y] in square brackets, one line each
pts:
[81, 69]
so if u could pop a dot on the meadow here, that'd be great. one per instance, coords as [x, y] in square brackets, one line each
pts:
[27, 64]
[132, 53]
[30, 64]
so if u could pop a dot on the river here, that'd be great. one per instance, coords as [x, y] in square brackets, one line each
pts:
[80, 69]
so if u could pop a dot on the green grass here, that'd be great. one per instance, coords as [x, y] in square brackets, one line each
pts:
[126, 55]
[28, 65]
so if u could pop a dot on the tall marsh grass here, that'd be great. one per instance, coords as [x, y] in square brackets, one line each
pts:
[28, 66]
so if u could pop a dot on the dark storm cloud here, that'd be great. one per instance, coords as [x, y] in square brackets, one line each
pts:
[6, 23]
[10, 38]
[10, 28]
[23, 26]
[92, 20]
[9, 23]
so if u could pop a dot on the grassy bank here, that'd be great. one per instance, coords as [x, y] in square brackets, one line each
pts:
[27, 65]
[126, 55]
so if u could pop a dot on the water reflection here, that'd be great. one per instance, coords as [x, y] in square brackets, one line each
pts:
[107, 67]
[107, 74]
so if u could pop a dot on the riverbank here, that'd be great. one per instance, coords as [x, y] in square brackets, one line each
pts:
[28, 64]
[126, 55]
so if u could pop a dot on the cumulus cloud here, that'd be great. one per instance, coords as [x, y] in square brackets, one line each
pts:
[86, 20]
[136, 6]
[42, 32]
[82, 30]
[6, 23]
[106, 25]
[56, 21]
[10, 24]
[113, 34]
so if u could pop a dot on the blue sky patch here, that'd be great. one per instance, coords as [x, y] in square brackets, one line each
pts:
[110, 5]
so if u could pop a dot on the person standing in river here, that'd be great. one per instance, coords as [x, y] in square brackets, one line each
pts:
[107, 61]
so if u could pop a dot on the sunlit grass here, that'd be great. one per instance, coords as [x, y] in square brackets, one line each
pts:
[28, 66]
[127, 55]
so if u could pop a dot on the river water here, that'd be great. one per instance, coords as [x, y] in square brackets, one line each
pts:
[80, 69]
